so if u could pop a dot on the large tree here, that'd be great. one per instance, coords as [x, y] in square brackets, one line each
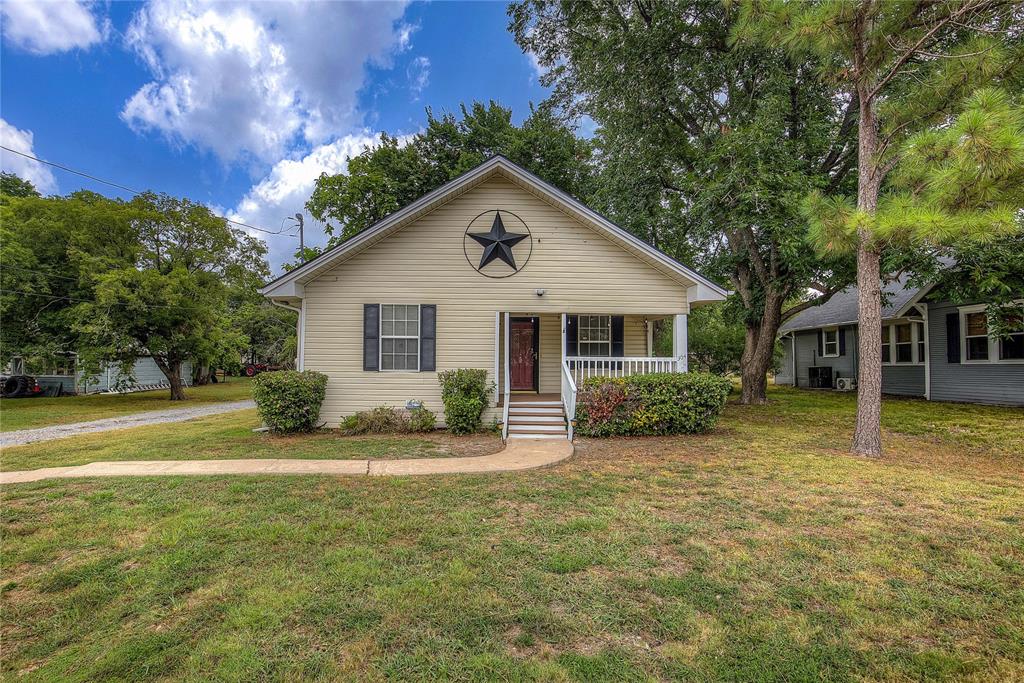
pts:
[169, 298]
[706, 147]
[44, 276]
[937, 163]
[396, 172]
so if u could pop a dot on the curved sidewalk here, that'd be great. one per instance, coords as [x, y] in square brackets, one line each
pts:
[518, 454]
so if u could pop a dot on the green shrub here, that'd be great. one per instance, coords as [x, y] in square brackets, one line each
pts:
[462, 414]
[662, 403]
[388, 420]
[464, 393]
[422, 420]
[289, 401]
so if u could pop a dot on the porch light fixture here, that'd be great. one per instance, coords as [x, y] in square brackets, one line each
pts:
[539, 292]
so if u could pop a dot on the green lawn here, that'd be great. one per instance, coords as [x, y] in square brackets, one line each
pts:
[231, 436]
[26, 413]
[759, 552]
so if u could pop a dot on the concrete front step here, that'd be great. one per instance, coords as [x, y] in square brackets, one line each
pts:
[512, 410]
[536, 419]
[538, 404]
[560, 437]
[513, 427]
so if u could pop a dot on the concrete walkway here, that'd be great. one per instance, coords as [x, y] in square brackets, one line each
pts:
[518, 454]
[152, 417]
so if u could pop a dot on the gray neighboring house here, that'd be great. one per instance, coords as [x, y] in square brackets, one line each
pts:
[65, 374]
[931, 348]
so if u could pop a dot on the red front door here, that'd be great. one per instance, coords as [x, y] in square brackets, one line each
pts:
[523, 355]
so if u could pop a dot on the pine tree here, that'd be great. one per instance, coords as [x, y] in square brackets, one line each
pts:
[940, 143]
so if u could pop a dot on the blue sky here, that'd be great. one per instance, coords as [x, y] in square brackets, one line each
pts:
[239, 105]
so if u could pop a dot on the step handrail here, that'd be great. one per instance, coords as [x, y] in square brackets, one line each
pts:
[568, 398]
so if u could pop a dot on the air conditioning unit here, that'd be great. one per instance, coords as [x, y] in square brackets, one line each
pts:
[845, 384]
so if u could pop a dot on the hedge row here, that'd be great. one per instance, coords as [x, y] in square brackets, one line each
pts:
[648, 405]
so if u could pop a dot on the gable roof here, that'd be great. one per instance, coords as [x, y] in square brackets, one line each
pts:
[290, 284]
[841, 309]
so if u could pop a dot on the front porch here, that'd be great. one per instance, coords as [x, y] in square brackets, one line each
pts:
[543, 358]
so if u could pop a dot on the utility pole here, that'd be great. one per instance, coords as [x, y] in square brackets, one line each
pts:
[302, 244]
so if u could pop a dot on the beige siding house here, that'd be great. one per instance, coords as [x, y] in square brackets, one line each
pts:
[495, 260]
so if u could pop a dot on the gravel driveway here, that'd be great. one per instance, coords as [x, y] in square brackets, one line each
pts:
[24, 436]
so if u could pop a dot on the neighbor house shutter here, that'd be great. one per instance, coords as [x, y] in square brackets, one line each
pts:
[371, 336]
[821, 343]
[572, 326]
[618, 334]
[842, 341]
[428, 337]
[952, 337]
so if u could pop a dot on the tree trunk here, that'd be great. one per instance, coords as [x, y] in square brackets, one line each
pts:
[172, 371]
[758, 351]
[203, 376]
[867, 436]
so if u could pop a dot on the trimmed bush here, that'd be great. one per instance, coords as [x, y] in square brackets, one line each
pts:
[464, 393]
[647, 405]
[388, 420]
[289, 401]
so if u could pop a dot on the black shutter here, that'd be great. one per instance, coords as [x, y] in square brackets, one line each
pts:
[842, 341]
[821, 343]
[618, 334]
[371, 336]
[952, 337]
[572, 327]
[428, 337]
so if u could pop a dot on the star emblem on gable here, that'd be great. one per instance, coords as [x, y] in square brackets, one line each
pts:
[497, 243]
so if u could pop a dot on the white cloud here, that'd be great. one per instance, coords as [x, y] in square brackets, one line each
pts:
[43, 27]
[32, 171]
[418, 73]
[255, 80]
[284, 191]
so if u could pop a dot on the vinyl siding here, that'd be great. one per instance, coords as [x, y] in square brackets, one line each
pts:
[807, 356]
[905, 380]
[580, 271]
[144, 372]
[995, 383]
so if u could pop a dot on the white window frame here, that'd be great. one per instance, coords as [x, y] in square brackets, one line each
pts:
[917, 327]
[993, 340]
[579, 328]
[825, 342]
[380, 338]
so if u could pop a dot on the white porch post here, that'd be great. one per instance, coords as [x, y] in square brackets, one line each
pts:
[563, 338]
[505, 372]
[650, 338]
[497, 355]
[679, 342]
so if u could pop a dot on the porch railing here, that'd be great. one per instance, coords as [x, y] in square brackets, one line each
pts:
[580, 368]
[568, 397]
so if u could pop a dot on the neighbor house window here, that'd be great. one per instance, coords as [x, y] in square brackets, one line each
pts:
[886, 350]
[976, 335]
[400, 337]
[919, 330]
[1011, 347]
[595, 335]
[904, 343]
[830, 342]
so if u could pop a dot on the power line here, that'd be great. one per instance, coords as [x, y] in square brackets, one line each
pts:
[39, 272]
[57, 297]
[123, 187]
